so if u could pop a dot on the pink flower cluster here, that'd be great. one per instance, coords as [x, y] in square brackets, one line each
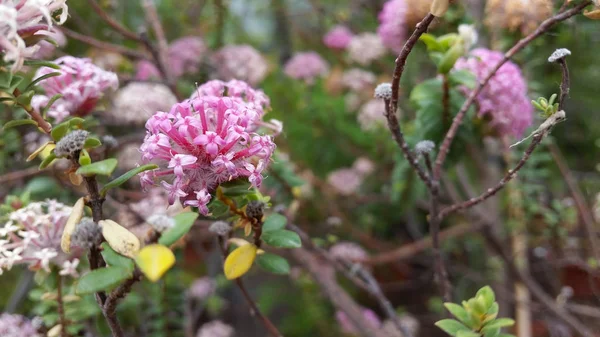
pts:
[357, 79]
[237, 90]
[504, 99]
[346, 181]
[306, 66]
[80, 83]
[184, 57]
[366, 48]
[338, 37]
[392, 28]
[241, 62]
[47, 49]
[32, 235]
[13, 325]
[22, 19]
[204, 141]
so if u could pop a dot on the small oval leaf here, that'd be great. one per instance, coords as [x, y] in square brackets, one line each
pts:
[154, 261]
[451, 326]
[273, 263]
[120, 239]
[239, 261]
[59, 131]
[115, 259]
[273, 222]
[19, 122]
[104, 167]
[101, 279]
[39, 150]
[126, 176]
[84, 158]
[183, 224]
[47, 161]
[282, 239]
[91, 142]
[72, 221]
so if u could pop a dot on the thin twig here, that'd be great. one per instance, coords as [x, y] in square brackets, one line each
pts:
[110, 305]
[441, 274]
[542, 29]
[40, 121]
[163, 47]
[61, 307]
[104, 45]
[18, 175]
[445, 99]
[116, 26]
[565, 84]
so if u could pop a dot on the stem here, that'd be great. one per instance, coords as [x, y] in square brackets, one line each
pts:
[434, 228]
[41, 122]
[163, 48]
[446, 99]
[116, 26]
[61, 308]
[103, 45]
[220, 24]
[542, 29]
[565, 83]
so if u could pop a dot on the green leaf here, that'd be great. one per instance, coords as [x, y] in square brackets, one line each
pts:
[104, 167]
[41, 63]
[458, 312]
[115, 259]
[488, 296]
[500, 323]
[76, 121]
[451, 326]
[237, 190]
[101, 279]
[84, 158]
[24, 99]
[59, 131]
[19, 122]
[431, 42]
[490, 332]
[41, 78]
[47, 160]
[467, 333]
[10, 98]
[183, 224]
[282, 239]
[273, 263]
[450, 58]
[91, 142]
[5, 79]
[126, 176]
[49, 104]
[16, 80]
[274, 222]
[462, 77]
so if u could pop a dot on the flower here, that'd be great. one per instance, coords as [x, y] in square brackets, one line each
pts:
[201, 143]
[13, 325]
[357, 79]
[241, 62]
[215, 329]
[146, 70]
[348, 251]
[371, 116]
[238, 91]
[345, 181]
[46, 49]
[69, 268]
[348, 327]
[184, 57]
[363, 166]
[392, 28]
[559, 54]
[32, 235]
[80, 83]
[306, 66]
[20, 20]
[366, 48]
[338, 37]
[138, 101]
[469, 36]
[517, 14]
[160, 222]
[504, 99]
[383, 91]
[202, 288]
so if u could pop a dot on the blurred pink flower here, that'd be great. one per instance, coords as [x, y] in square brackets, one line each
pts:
[185, 55]
[363, 166]
[215, 329]
[366, 48]
[138, 101]
[392, 28]
[202, 288]
[357, 79]
[241, 62]
[306, 66]
[348, 251]
[201, 143]
[80, 83]
[146, 70]
[505, 97]
[370, 116]
[239, 91]
[338, 37]
[13, 325]
[348, 327]
[345, 181]
[25, 18]
[47, 49]
[32, 236]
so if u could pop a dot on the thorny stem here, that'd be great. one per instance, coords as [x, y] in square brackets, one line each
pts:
[61, 307]
[542, 29]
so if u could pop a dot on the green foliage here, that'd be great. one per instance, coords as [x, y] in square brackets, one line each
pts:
[183, 224]
[126, 176]
[273, 222]
[102, 279]
[114, 259]
[548, 107]
[103, 167]
[476, 317]
[282, 238]
[273, 263]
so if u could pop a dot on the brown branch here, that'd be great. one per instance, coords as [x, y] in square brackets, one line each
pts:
[40, 121]
[441, 274]
[542, 29]
[537, 138]
[163, 47]
[565, 83]
[110, 305]
[103, 45]
[61, 307]
[116, 26]
[18, 175]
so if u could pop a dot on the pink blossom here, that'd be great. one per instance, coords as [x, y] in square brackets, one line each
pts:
[201, 143]
[13, 325]
[363, 166]
[241, 62]
[345, 181]
[185, 55]
[20, 20]
[366, 48]
[238, 91]
[146, 70]
[306, 66]
[392, 28]
[504, 99]
[338, 37]
[370, 116]
[138, 101]
[47, 49]
[357, 79]
[348, 327]
[202, 288]
[348, 251]
[80, 83]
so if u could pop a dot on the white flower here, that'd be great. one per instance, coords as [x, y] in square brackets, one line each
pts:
[424, 146]
[559, 54]
[70, 268]
[28, 236]
[8, 228]
[10, 257]
[469, 35]
[45, 255]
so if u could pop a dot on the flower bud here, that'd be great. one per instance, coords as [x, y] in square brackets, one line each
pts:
[439, 7]
[383, 91]
[71, 144]
[255, 209]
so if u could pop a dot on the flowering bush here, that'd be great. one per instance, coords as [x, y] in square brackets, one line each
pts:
[306, 66]
[241, 62]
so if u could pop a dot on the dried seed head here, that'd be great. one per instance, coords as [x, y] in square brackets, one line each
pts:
[559, 54]
[383, 91]
[71, 144]
[110, 142]
[424, 146]
[87, 234]
[255, 209]
[161, 222]
[219, 228]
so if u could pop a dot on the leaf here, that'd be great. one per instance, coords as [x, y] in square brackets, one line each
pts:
[282, 239]
[451, 326]
[71, 224]
[490, 332]
[119, 238]
[47, 160]
[49, 104]
[450, 57]
[104, 167]
[101, 279]
[467, 333]
[126, 176]
[59, 131]
[39, 150]
[19, 122]
[273, 222]
[115, 259]
[91, 142]
[431, 42]
[16, 80]
[273, 263]
[458, 312]
[41, 63]
[154, 261]
[84, 158]
[5, 79]
[462, 77]
[24, 99]
[41, 78]
[239, 261]
[488, 296]
[76, 121]
[500, 323]
[183, 224]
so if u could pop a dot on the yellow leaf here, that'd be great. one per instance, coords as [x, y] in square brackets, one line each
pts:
[238, 242]
[593, 14]
[55, 331]
[247, 229]
[154, 261]
[39, 150]
[239, 261]
[76, 179]
[72, 221]
[120, 239]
